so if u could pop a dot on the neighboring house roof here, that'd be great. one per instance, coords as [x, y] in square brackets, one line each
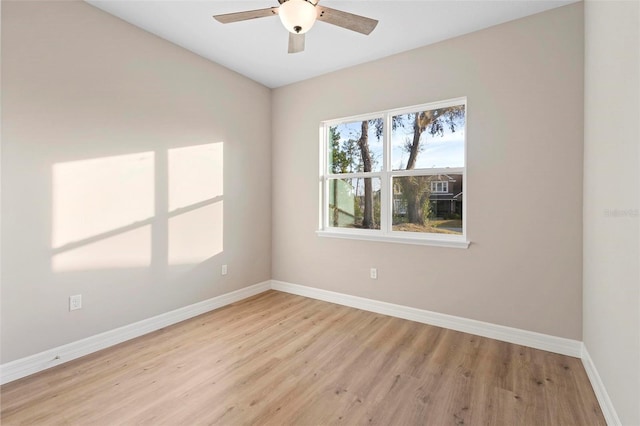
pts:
[444, 197]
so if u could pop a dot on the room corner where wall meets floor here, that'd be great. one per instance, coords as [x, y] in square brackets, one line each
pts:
[52, 357]
[67, 353]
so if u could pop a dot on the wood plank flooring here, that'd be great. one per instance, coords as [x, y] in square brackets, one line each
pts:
[277, 359]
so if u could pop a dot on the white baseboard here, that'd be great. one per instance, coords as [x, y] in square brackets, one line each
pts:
[32, 364]
[531, 339]
[608, 410]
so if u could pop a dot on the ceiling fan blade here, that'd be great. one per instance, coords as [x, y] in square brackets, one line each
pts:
[243, 16]
[360, 24]
[296, 43]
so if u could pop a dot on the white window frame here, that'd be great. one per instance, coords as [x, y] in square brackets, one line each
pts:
[386, 232]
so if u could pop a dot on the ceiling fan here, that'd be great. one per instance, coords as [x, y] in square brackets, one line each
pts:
[298, 16]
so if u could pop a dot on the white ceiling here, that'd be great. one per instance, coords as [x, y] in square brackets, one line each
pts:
[258, 48]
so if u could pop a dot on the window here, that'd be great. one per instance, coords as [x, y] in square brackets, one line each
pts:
[396, 175]
[439, 187]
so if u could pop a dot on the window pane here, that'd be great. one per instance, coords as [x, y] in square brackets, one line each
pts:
[350, 152]
[440, 186]
[428, 139]
[354, 203]
[418, 208]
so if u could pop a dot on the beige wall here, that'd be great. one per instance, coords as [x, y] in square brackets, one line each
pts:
[80, 90]
[524, 83]
[611, 222]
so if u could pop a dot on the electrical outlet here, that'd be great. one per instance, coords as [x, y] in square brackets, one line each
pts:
[75, 302]
[373, 274]
[224, 270]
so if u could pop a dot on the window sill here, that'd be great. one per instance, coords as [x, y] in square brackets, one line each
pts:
[437, 242]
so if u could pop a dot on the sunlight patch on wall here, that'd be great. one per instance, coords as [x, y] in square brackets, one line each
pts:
[104, 214]
[127, 250]
[94, 196]
[101, 213]
[195, 174]
[196, 235]
[196, 186]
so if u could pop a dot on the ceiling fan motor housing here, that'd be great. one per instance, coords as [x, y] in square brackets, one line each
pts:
[298, 16]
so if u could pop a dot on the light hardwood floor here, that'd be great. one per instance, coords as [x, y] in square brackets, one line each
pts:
[281, 359]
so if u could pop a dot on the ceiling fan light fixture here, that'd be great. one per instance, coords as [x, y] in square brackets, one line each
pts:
[297, 16]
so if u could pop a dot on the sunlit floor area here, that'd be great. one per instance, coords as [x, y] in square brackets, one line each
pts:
[278, 359]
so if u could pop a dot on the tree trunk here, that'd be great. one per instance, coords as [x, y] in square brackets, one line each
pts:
[414, 208]
[415, 144]
[415, 192]
[415, 188]
[363, 144]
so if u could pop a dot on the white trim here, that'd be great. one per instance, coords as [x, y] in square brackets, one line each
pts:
[354, 175]
[394, 237]
[398, 111]
[41, 361]
[400, 173]
[531, 339]
[608, 410]
[433, 171]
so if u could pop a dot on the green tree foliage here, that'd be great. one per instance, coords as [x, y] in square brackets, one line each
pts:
[339, 158]
[339, 164]
[348, 157]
